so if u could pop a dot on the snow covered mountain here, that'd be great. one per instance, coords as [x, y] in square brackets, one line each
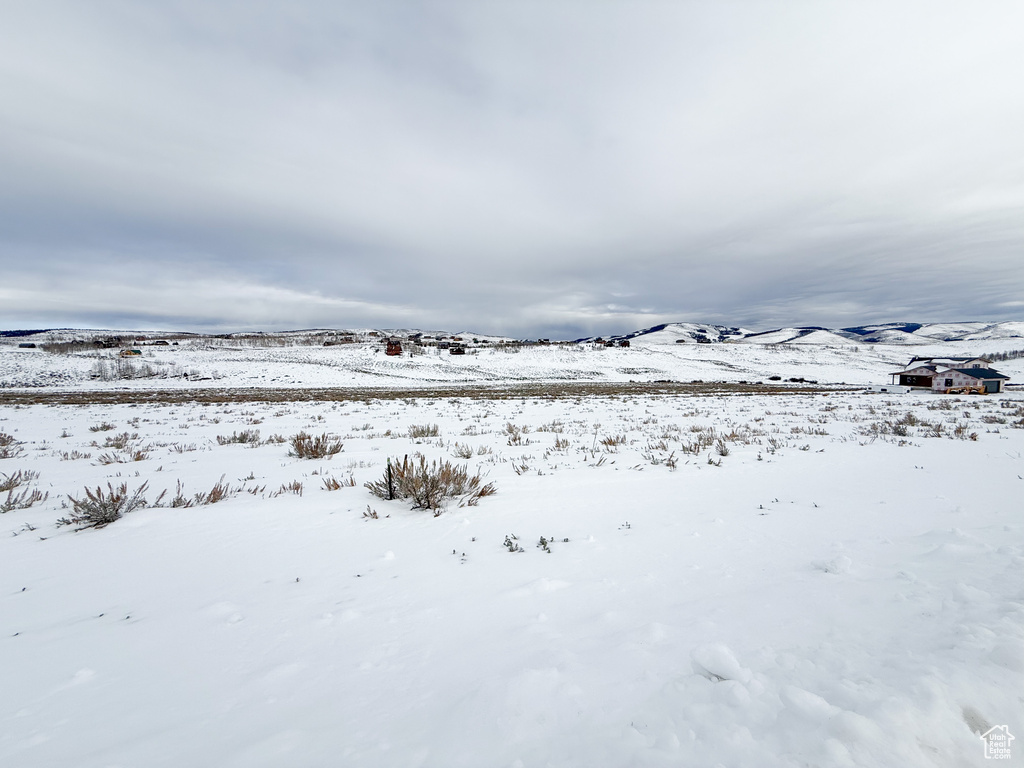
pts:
[884, 333]
[928, 333]
[897, 334]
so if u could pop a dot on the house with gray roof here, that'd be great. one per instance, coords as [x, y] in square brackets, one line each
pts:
[951, 375]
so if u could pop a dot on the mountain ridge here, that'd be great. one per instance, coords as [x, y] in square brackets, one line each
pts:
[679, 332]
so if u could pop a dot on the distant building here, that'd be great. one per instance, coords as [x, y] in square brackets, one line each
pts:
[951, 375]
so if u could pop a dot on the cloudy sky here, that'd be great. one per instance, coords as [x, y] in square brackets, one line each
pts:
[529, 168]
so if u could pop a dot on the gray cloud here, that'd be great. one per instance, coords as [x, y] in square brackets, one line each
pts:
[549, 169]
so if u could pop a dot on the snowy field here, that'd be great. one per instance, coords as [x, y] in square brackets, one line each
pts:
[201, 363]
[816, 579]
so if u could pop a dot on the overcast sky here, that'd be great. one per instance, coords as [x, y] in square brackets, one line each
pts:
[545, 168]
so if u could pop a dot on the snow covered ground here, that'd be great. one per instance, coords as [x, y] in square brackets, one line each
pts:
[746, 580]
[198, 364]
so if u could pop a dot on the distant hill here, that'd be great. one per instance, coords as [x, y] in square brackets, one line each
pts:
[665, 333]
[884, 333]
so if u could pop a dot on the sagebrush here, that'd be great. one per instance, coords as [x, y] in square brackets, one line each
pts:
[248, 436]
[99, 509]
[9, 447]
[429, 485]
[305, 446]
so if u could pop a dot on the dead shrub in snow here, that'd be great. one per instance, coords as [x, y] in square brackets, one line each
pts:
[13, 480]
[9, 447]
[219, 492]
[73, 455]
[419, 431]
[460, 451]
[135, 454]
[179, 499]
[515, 434]
[99, 509]
[305, 446]
[22, 500]
[429, 485]
[555, 426]
[120, 442]
[248, 436]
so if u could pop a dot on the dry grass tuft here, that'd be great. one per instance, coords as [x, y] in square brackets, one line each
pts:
[333, 484]
[295, 486]
[219, 492]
